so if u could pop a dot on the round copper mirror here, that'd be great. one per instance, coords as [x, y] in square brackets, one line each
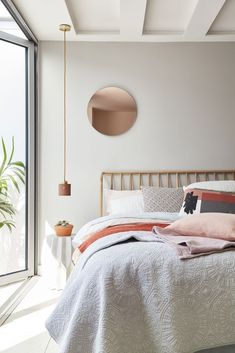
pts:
[112, 111]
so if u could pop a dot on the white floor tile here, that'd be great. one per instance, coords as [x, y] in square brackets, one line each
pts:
[8, 290]
[24, 331]
[35, 344]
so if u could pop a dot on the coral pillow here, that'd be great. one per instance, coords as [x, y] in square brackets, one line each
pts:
[212, 225]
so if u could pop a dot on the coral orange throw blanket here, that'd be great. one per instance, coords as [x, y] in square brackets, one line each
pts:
[119, 229]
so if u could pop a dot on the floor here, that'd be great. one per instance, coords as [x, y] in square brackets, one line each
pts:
[24, 330]
[7, 291]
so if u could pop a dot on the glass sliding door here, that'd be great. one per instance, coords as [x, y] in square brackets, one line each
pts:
[17, 150]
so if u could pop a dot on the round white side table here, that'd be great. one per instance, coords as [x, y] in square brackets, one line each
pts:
[57, 260]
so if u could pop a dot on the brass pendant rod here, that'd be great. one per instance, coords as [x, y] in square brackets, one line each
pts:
[65, 108]
[65, 187]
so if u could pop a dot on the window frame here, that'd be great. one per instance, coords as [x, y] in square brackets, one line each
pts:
[31, 46]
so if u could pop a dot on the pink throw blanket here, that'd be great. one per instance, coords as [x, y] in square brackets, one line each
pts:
[192, 246]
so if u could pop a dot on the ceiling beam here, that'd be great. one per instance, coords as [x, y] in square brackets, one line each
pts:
[72, 16]
[203, 16]
[132, 15]
[154, 38]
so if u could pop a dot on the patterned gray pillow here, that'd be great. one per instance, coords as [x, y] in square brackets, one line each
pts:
[162, 199]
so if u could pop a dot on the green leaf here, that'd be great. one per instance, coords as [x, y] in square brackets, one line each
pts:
[18, 163]
[3, 214]
[21, 171]
[7, 208]
[12, 150]
[14, 182]
[11, 172]
[8, 211]
[4, 157]
[3, 183]
[7, 223]
[19, 176]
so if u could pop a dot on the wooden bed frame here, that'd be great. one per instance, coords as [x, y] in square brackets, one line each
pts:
[133, 180]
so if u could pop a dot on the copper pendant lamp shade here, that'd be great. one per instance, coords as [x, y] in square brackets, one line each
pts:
[65, 187]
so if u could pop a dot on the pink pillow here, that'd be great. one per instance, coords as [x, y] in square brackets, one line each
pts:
[211, 225]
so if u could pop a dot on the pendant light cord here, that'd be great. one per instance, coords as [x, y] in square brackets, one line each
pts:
[65, 108]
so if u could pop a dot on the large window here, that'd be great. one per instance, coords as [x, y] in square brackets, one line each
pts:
[17, 127]
[8, 24]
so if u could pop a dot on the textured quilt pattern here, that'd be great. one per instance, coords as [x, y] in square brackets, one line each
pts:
[131, 294]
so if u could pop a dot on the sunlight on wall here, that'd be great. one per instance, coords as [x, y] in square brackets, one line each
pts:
[49, 229]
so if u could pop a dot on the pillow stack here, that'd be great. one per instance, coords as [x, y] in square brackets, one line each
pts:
[148, 199]
[201, 197]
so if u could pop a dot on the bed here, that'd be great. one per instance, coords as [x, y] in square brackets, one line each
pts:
[129, 293]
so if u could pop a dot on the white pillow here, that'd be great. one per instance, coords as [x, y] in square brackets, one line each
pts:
[123, 201]
[218, 185]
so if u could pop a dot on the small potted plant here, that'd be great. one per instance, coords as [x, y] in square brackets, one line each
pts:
[63, 228]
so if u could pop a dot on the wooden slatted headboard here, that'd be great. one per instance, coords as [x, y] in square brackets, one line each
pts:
[165, 178]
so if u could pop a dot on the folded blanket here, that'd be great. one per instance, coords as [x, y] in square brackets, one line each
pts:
[106, 226]
[119, 229]
[107, 231]
[108, 221]
[191, 246]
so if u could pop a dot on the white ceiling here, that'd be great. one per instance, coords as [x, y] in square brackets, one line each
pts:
[131, 20]
[168, 15]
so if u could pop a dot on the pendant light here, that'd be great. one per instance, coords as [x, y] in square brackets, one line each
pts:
[65, 187]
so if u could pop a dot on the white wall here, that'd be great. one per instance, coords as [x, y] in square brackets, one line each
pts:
[186, 102]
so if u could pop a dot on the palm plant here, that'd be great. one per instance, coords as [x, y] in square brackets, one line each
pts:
[11, 173]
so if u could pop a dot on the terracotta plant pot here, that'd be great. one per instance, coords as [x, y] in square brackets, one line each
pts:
[64, 231]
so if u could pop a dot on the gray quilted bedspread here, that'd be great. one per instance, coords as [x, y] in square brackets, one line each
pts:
[139, 297]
